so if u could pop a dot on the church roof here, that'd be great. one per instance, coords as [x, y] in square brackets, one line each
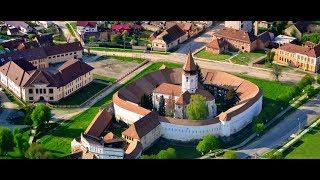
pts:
[189, 64]
[166, 88]
[184, 99]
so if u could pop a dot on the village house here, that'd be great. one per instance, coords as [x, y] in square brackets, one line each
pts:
[32, 84]
[145, 131]
[217, 46]
[239, 25]
[98, 143]
[86, 26]
[263, 24]
[169, 38]
[239, 39]
[306, 57]
[21, 26]
[41, 57]
[300, 27]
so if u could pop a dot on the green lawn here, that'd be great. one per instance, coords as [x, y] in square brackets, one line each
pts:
[71, 30]
[110, 80]
[59, 140]
[245, 57]
[124, 50]
[308, 147]
[271, 91]
[73, 25]
[82, 95]
[209, 55]
[184, 151]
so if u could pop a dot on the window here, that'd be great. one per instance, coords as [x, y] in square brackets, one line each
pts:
[187, 79]
[51, 98]
[49, 57]
[58, 55]
[44, 91]
[30, 91]
[31, 98]
[40, 91]
[50, 91]
[37, 91]
[62, 54]
[75, 53]
[53, 56]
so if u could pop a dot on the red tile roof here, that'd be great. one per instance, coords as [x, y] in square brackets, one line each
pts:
[217, 43]
[166, 88]
[143, 126]
[305, 50]
[99, 123]
[87, 23]
[189, 64]
[234, 34]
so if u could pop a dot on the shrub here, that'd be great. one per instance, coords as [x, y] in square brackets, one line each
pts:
[208, 143]
[318, 79]
[230, 155]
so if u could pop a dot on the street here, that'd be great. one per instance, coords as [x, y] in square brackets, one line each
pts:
[276, 136]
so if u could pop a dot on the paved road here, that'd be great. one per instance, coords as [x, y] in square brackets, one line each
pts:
[198, 42]
[216, 65]
[62, 25]
[7, 109]
[276, 136]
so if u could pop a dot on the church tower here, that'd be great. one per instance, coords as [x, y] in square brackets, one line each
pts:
[189, 75]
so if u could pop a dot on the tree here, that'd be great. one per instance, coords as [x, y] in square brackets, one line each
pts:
[200, 75]
[307, 80]
[197, 108]
[92, 39]
[162, 110]
[146, 101]
[6, 141]
[276, 71]
[169, 153]
[231, 96]
[293, 33]
[279, 26]
[208, 143]
[170, 105]
[309, 89]
[21, 143]
[28, 110]
[318, 79]
[40, 115]
[312, 37]
[37, 151]
[258, 125]
[31, 36]
[230, 155]
[114, 38]
[270, 56]
[124, 37]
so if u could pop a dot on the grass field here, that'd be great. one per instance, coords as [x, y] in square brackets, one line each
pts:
[245, 57]
[124, 50]
[208, 55]
[82, 95]
[58, 142]
[71, 30]
[308, 147]
[109, 80]
[271, 91]
[183, 151]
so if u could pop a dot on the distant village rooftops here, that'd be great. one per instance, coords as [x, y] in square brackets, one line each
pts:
[171, 34]
[311, 51]
[87, 23]
[235, 34]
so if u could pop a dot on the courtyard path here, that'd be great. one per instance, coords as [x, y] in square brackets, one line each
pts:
[7, 108]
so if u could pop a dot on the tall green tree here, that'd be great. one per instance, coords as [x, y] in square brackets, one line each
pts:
[21, 143]
[162, 110]
[200, 75]
[258, 125]
[125, 34]
[276, 71]
[197, 108]
[92, 39]
[270, 56]
[114, 38]
[40, 115]
[230, 155]
[207, 144]
[37, 151]
[6, 141]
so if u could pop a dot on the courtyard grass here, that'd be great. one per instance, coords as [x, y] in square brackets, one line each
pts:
[307, 147]
[109, 80]
[245, 58]
[271, 91]
[58, 141]
[82, 95]
[209, 55]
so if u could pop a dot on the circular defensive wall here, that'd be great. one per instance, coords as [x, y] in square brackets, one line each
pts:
[225, 124]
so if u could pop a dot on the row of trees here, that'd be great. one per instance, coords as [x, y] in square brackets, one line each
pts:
[10, 140]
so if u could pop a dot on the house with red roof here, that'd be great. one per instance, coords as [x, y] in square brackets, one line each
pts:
[86, 26]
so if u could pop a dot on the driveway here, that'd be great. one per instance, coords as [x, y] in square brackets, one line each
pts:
[279, 134]
[7, 108]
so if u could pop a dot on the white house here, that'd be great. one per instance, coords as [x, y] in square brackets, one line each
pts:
[86, 26]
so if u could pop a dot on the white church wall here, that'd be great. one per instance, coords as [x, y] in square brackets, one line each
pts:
[128, 117]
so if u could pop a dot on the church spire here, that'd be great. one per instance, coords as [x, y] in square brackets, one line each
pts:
[189, 65]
